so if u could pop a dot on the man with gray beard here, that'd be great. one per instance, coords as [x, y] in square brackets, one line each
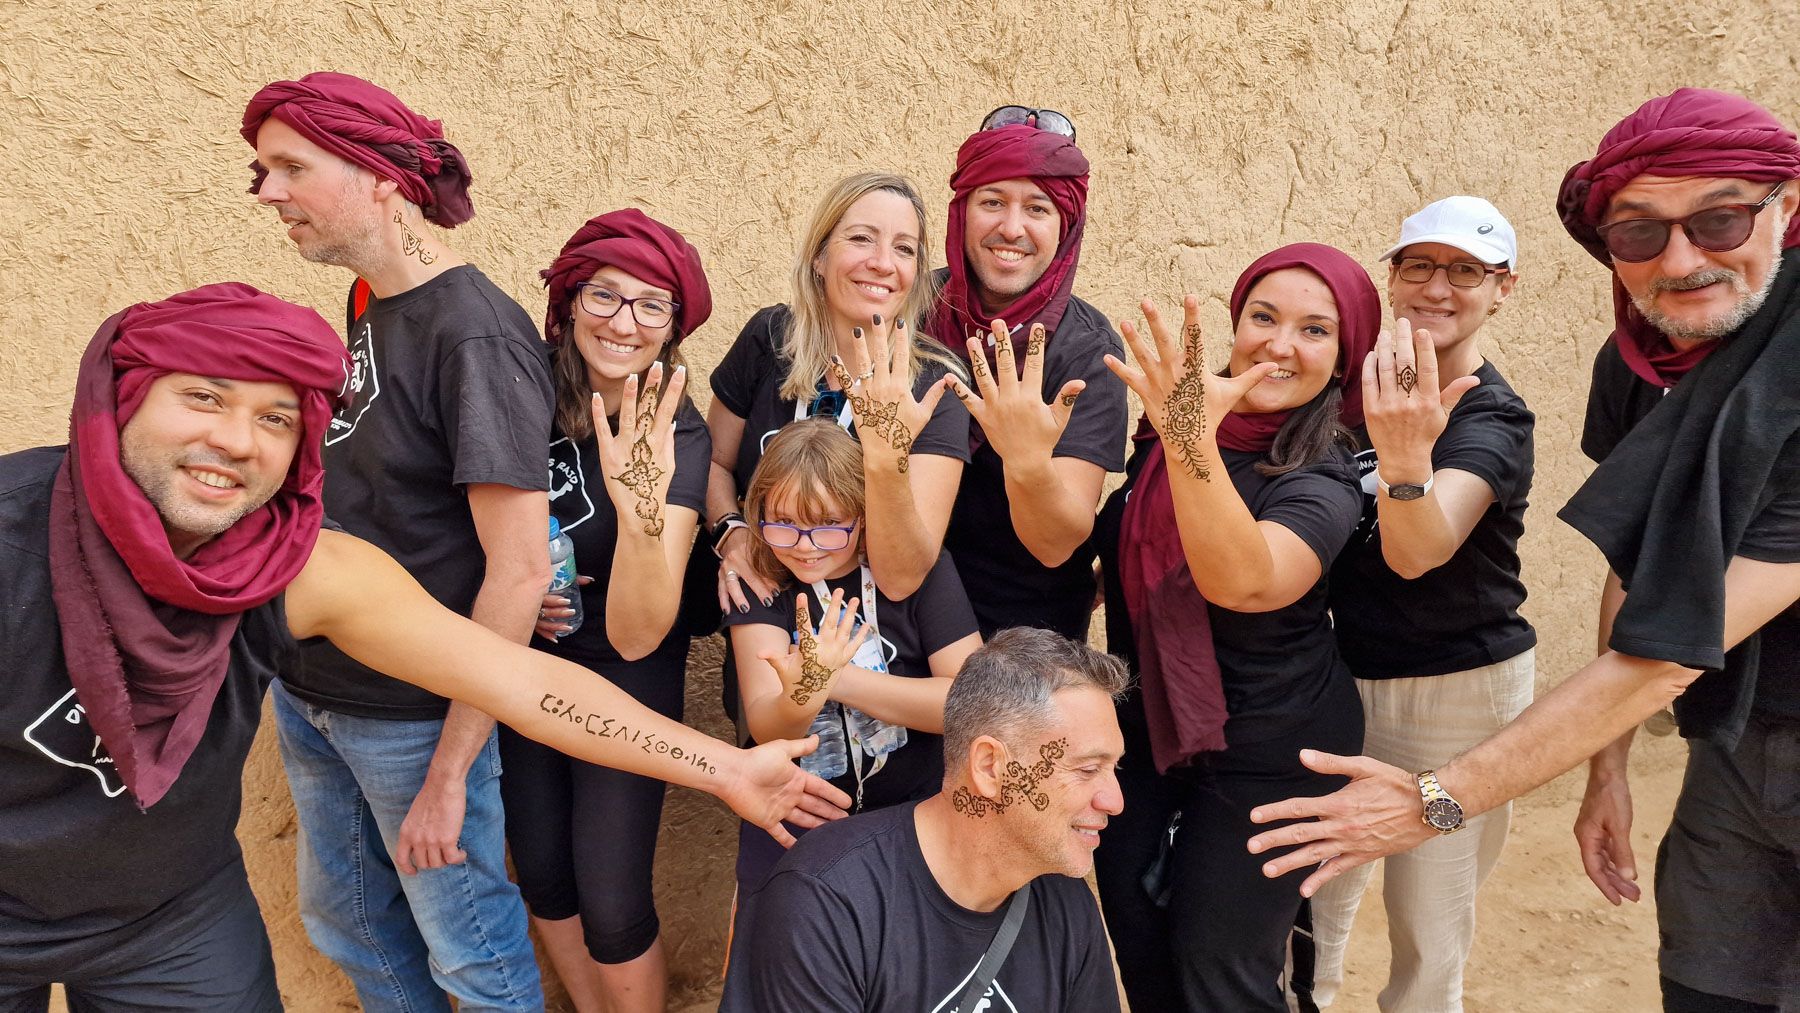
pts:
[1694, 418]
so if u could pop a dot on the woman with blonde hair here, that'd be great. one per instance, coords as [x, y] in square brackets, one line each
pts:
[846, 347]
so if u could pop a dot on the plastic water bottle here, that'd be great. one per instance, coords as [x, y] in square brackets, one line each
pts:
[562, 575]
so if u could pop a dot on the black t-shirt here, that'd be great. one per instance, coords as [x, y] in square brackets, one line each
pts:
[452, 388]
[1275, 666]
[852, 921]
[912, 630]
[1618, 400]
[579, 502]
[749, 379]
[1006, 582]
[1465, 613]
[82, 869]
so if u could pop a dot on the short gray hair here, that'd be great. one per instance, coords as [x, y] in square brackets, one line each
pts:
[1004, 688]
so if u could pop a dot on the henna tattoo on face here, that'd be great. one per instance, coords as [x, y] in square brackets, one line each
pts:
[642, 474]
[814, 676]
[410, 241]
[602, 727]
[1017, 783]
[1184, 411]
[1407, 378]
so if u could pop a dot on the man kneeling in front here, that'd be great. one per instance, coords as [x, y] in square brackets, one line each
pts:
[971, 900]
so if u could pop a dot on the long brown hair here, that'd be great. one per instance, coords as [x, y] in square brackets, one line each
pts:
[808, 461]
[569, 378]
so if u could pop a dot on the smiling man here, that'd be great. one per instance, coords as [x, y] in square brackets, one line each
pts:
[1048, 418]
[1694, 418]
[438, 460]
[914, 907]
[155, 576]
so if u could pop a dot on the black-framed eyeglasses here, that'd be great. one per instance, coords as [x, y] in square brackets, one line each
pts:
[1043, 119]
[1717, 229]
[825, 538]
[647, 311]
[1460, 273]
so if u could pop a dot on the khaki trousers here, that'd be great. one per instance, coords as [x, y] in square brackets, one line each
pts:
[1419, 724]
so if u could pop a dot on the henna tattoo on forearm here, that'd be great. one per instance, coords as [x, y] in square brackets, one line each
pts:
[1408, 378]
[612, 728]
[411, 243]
[1019, 782]
[814, 676]
[1184, 411]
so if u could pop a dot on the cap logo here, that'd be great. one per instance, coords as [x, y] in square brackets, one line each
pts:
[1484, 229]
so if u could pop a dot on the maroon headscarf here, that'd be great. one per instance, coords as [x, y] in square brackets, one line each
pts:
[1184, 697]
[1692, 132]
[365, 124]
[1055, 165]
[147, 636]
[645, 248]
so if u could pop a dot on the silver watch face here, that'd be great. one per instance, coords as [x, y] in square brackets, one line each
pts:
[1443, 815]
[1405, 491]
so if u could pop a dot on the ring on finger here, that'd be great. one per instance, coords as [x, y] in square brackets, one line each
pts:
[731, 575]
[864, 375]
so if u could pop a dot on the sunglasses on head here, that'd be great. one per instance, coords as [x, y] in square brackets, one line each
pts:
[1717, 229]
[1043, 119]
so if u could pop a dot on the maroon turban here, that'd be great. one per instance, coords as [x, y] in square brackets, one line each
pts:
[365, 124]
[1184, 696]
[639, 245]
[1693, 132]
[1056, 166]
[147, 636]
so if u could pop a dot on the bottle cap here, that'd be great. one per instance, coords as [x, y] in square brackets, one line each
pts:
[555, 529]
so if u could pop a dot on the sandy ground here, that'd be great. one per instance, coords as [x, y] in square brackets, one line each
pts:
[1547, 942]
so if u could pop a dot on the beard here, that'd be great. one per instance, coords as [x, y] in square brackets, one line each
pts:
[155, 474]
[1748, 301]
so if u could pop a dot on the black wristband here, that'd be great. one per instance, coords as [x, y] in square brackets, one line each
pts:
[724, 527]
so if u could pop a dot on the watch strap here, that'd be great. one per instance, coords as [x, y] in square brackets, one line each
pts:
[1423, 489]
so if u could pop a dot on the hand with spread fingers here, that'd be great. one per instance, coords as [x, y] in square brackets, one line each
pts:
[639, 462]
[771, 789]
[807, 673]
[1009, 404]
[888, 417]
[1185, 400]
[1379, 813]
[1405, 409]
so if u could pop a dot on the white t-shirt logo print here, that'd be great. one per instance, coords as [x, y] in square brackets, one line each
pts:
[994, 1000]
[365, 384]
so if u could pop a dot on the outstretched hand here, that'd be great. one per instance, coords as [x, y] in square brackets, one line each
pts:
[1010, 408]
[811, 669]
[1377, 814]
[770, 788]
[1185, 400]
[888, 417]
[639, 462]
[1404, 407]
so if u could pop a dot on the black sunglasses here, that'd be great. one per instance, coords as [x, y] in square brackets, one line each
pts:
[1043, 119]
[1717, 229]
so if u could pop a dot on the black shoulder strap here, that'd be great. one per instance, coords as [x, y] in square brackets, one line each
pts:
[996, 951]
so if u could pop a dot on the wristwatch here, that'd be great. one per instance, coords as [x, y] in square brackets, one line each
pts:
[1405, 490]
[1442, 813]
[727, 524]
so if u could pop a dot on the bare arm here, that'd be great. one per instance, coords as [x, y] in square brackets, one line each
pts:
[1603, 827]
[352, 593]
[769, 712]
[722, 498]
[651, 548]
[904, 700]
[1418, 536]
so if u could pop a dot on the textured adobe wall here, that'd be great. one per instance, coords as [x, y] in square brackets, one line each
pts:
[1216, 129]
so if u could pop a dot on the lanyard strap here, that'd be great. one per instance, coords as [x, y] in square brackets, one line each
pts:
[996, 952]
[844, 415]
[822, 594]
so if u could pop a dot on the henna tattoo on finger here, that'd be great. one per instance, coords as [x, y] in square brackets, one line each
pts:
[1407, 378]
[1034, 342]
[1068, 400]
[1184, 410]
[1018, 783]
[642, 475]
[877, 418]
[411, 243]
[814, 676]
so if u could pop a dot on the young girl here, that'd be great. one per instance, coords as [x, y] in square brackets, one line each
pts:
[880, 710]
[1216, 594]
[627, 483]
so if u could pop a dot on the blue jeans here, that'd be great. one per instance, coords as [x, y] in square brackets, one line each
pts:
[403, 940]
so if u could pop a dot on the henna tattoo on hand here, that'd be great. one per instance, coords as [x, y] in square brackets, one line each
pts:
[1034, 342]
[814, 676]
[1184, 411]
[1068, 400]
[1019, 782]
[642, 474]
[875, 417]
[1408, 378]
[412, 244]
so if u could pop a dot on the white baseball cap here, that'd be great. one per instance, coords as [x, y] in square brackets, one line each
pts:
[1470, 224]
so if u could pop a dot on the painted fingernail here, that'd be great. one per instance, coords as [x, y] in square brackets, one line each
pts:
[743, 608]
[857, 332]
[878, 320]
[768, 601]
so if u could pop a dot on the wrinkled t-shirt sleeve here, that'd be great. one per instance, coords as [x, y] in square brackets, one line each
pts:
[1491, 439]
[495, 404]
[946, 433]
[1321, 504]
[1096, 432]
[941, 608]
[801, 953]
[693, 462]
[750, 357]
[1774, 535]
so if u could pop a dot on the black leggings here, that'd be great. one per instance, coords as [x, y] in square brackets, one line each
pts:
[583, 837]
[1220, 944]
